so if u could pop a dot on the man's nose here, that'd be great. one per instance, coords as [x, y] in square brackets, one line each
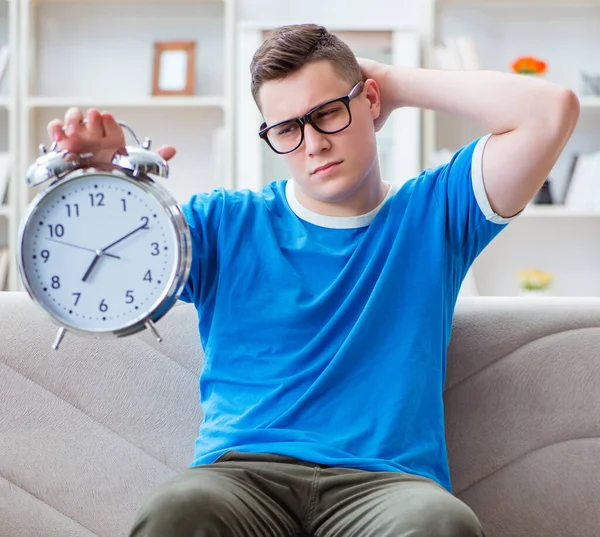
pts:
[315, 141]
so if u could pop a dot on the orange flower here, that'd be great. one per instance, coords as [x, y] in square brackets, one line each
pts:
[529, 65]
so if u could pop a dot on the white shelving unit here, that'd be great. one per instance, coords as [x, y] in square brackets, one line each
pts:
[589, 101]
[99, 54]
[399, 142]
[208, 101]
[8, 133]
[566, 34]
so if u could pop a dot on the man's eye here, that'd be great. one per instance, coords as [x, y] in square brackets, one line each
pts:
[286, 129]
[326, 113]
[330, 111]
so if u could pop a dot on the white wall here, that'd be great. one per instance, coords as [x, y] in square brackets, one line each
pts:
[402, 13]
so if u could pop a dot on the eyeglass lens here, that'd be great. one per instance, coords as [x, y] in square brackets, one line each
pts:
[329, 118]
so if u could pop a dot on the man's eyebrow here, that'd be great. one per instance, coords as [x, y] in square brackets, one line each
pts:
[307, 111]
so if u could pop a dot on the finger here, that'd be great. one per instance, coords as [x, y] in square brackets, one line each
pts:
[73, 119]
[167, 152]
[94, 123]
[55, 130]
[111, 128]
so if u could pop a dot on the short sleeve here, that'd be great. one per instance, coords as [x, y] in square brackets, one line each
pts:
[471, 223]
[203, 214]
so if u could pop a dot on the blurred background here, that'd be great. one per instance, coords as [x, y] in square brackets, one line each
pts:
[177, 72]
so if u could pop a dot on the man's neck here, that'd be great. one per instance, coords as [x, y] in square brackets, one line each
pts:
[363, 200]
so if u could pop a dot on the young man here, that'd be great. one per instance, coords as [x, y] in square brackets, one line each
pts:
[325, 302]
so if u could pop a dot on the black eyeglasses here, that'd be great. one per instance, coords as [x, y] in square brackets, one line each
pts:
[328, 118]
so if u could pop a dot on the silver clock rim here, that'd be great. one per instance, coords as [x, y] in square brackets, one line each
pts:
[177, 281]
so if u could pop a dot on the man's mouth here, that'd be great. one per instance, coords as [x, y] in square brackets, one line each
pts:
[326, 168]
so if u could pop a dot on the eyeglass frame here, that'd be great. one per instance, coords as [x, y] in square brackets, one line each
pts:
[306, 118]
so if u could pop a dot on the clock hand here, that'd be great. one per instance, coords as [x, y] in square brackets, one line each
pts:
[99, 254]
[143, 226]
[80, 247]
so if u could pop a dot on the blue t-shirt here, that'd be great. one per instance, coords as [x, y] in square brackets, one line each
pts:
[325, 337]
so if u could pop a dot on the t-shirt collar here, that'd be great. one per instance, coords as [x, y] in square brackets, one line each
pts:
[336, 222]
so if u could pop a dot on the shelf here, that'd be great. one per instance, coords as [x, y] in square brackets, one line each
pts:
[557, 211]
[5, 211]
[128, 1]
[590, 101]
[198, 101]
[517, 3]
[4, 102]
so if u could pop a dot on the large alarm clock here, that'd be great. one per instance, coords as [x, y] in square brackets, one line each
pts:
[104, 250]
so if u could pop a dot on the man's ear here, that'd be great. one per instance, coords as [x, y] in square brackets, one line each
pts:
[373, 97]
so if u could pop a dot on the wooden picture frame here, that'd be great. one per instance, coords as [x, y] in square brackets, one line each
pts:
[174, 68]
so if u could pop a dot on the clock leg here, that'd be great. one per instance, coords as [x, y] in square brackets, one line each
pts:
[59, 337]
[150, 326]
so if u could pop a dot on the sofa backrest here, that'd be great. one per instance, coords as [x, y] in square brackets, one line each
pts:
[88, 431]
[523, 414]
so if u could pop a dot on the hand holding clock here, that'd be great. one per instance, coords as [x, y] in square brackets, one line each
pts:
[101, 135]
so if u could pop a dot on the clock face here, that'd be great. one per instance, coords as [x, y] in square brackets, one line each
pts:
[99, 252]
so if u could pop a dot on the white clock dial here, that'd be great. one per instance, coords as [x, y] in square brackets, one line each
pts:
[99, 252]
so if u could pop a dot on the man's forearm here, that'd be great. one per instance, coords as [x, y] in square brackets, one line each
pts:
[501, 102]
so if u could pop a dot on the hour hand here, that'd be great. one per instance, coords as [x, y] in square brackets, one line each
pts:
[97, 257]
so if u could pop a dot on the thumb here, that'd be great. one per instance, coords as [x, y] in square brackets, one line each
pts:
[167, 152]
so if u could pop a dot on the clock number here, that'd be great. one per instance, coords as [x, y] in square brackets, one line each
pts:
[155, 250]
[148, 277]
[124, 205]
[45, 255]
[78, 295]
[97, 199]
[103, 307]
[129, 296]
[75, 211]
[145, 220]
[55, 282]
[58, 230]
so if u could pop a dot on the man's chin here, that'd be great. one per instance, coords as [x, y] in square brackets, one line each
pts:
[334, 189]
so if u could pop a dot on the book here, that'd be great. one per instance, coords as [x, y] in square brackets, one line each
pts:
[4, 174]
[3, 268]
[583, 184]
[4, 56]
[457, 53]
[467, 52]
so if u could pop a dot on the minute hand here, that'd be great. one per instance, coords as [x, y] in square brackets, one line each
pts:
[80, 247]
[143, 226]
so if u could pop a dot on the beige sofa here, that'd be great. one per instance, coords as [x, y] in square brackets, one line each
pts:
[87, 431]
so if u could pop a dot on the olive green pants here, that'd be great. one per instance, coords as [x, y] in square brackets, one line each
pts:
[263, 495]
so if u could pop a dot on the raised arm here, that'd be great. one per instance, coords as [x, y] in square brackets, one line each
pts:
[530, 120]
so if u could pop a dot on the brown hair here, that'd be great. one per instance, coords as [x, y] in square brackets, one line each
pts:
[289, 48]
